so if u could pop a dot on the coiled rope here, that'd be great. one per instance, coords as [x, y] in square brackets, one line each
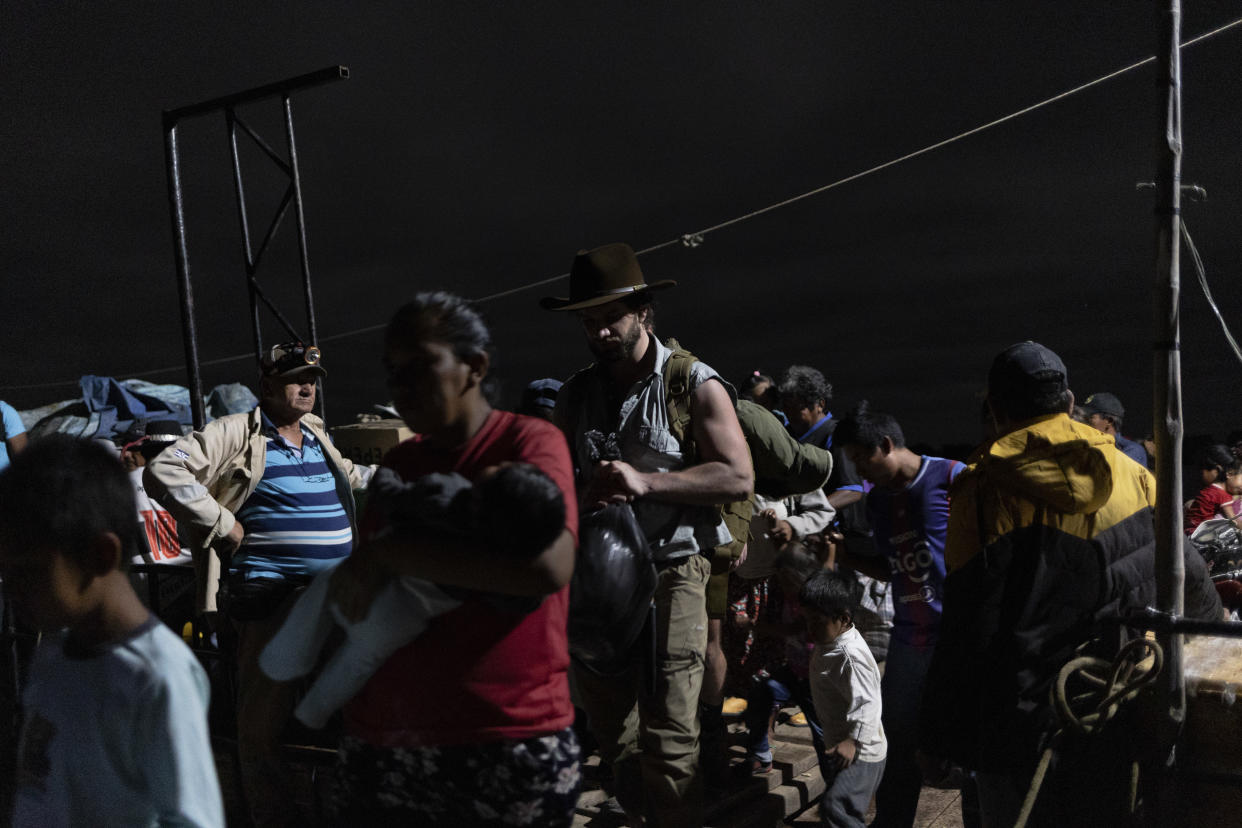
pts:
[1110, 685]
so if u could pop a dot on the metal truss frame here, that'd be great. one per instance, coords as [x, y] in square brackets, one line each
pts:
[252, 256]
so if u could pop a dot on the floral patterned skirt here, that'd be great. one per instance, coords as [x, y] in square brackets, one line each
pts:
[515, 782]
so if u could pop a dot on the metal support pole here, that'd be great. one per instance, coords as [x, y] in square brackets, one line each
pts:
[247, 247]
[188, 328]
[1150, 619]
[303, 253]
[1167, 410]
[332, 73]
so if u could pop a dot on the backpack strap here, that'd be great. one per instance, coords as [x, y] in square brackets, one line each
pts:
[677, 396]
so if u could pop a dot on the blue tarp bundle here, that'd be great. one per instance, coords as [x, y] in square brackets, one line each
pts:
[109, 408]
[121, 405]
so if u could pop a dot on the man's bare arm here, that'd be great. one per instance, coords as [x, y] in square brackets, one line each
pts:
[723, 473]
[843, 497]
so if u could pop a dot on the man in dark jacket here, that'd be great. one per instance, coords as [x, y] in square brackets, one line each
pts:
[1050, 534]
[1104, 413]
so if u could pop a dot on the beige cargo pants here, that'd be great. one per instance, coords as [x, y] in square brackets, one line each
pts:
[652, 740]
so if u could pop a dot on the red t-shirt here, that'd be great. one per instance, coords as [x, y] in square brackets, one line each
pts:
[1206, 506]
[478, 673]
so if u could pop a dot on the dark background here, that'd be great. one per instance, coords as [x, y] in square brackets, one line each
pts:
[478, 145]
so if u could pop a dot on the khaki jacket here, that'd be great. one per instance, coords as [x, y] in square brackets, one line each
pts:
[204, 477]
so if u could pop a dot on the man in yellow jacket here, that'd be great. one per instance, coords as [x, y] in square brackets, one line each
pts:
[1050, 534]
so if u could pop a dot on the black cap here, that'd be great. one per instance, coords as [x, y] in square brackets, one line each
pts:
[1103, 402]
[540, 393]
[1028, 371]
[291, 358]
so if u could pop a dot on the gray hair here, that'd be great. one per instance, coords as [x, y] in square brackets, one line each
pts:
[805, 384]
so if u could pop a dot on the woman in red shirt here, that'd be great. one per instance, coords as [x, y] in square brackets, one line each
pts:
[470, 723]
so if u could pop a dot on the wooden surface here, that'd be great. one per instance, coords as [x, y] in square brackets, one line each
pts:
[1212, 664]
[1205, 792]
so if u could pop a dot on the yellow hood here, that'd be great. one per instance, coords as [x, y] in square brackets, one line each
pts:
[1054, 460]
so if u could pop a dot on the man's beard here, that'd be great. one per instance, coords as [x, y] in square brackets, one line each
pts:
[619, 351]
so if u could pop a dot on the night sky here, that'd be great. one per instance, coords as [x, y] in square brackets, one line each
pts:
[477, 146]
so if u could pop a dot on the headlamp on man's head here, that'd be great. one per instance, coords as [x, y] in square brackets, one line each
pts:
[292, 358]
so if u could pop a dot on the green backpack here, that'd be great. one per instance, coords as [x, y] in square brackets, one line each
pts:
[782, 465]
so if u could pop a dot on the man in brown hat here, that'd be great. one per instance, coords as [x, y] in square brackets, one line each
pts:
[651, 740]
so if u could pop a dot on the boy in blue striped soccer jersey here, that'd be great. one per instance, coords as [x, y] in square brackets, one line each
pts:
[908, 509]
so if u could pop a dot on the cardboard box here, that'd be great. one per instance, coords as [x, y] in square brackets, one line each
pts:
[367, 443]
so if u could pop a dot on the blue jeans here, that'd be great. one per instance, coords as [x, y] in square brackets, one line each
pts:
[901, 692]
[767, 695]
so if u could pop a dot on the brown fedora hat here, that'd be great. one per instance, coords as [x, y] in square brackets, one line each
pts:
[600, 276]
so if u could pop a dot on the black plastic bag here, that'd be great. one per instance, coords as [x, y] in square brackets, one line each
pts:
[610, 594]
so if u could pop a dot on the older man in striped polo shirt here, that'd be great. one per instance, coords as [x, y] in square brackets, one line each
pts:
[267, 492]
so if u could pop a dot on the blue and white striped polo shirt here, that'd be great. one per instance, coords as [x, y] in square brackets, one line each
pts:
[294, 521]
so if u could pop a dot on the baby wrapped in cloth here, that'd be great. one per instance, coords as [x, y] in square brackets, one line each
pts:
[513, 507]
